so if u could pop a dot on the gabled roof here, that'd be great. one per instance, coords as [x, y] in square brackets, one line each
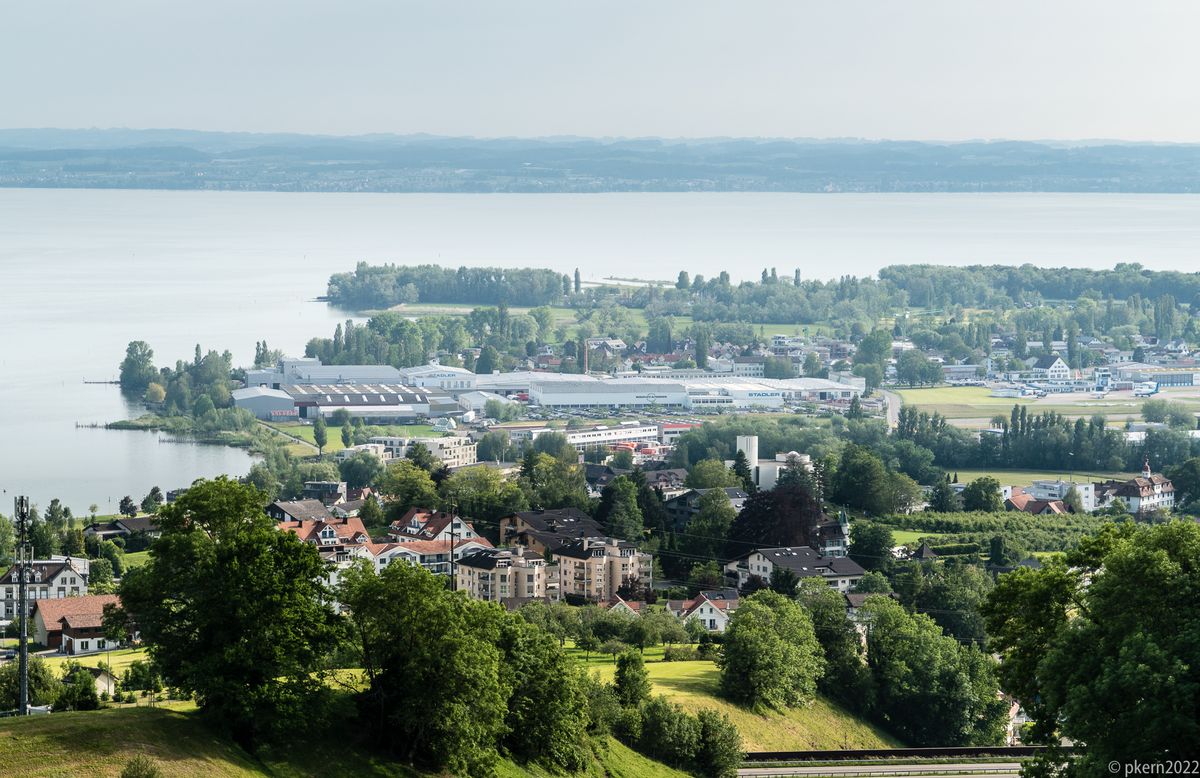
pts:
[349, 530]
[302, 510]
[806, 562]
[140, 524]
[87, 610]
[1046, 361]
[46, 570]
[924, 552]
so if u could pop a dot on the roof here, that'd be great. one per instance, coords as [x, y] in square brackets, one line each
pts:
[302, 510]
[1144, 487]
[561, 520]
[251, 392]
[805, 561]
[346, 530]
[48, 569]
[1046, 361]
[489, 558]
[87, 610]
[924, 552]
[361, 395]
[582, 549]
[140, 524]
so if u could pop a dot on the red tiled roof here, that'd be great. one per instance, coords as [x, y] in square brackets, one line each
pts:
[347, 530]
[87, 610]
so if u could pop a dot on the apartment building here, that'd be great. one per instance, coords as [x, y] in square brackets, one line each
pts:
[47, 579]
[506, 574]
[452, 451]
[594, 568]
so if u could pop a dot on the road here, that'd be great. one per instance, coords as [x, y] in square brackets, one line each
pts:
[911, 770]
[893, 408]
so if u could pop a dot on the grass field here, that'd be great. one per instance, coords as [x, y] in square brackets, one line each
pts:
[137, 558]
[903, 537]
[976, 402]
[818, 725]
[100, 743]
[334, 443]
[118, 659]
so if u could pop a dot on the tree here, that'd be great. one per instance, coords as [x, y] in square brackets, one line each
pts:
[846, 678]
[483, 495]
[78, 689]
[371, 512]
[233, 610]
[703, 337]
[405, 486]
[741, 468]
[1097, 646]
[360, 469]
[622, 460]
[152, 501]
[578, 286]
[128, 507]
[347, 435]
[709, 528]
[706, 575]
[871, 545]
[719, 752]
[983, 494]
[914, 368]
[943, 498]
[420, 455]
[632, 682]
[488, 362]
[44, 688]
[711, 474]
[861, 481]
[320, 433]
[929, 688]
[855, 411]
[873, 582]
[619, 510]
[155, 393]
[1073, 500]
[783, 581]
[771, 657]
[683, 281]
[555, 483]
[812, 365]
[1186, 478]
[137, 369]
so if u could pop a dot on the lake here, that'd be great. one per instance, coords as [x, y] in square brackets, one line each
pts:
[83, 272]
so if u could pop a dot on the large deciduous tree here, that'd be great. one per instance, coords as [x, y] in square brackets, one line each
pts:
[771, 657]
[1100, 647]
[233, 610]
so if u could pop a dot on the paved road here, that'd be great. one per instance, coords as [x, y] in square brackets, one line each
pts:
[893, 408]
[911, 770]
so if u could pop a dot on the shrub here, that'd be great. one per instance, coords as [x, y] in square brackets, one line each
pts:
[632, 682]
[719, 754]
[681, 653]
[604, 709]
[141, 766]
[669, 734]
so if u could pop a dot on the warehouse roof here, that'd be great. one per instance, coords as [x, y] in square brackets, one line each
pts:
[259, 391]
[360, 394]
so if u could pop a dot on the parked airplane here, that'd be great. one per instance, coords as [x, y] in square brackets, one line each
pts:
[1146, 389]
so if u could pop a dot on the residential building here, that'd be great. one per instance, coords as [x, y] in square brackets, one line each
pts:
[450, 450]
[298, 510]
[1148, 492]
[426, 524]
[506, 575]
[683, 507]
[1025, 502]
[594, 568]
[123, 528]
[547, 530]
[436, 556]
[1058, 489]
[326, 492]
[329, 532]
[713, 612]
[841, 573]
[1051, 367]
[833, 535]
[46, 579]
[82, 614]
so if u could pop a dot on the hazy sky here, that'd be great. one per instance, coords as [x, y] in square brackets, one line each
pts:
[942, 69]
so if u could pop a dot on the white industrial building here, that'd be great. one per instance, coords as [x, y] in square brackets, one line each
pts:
[584, 392]
[382, 402]
[450, 379]
[266, 403]
[290, 372]
[765, 472]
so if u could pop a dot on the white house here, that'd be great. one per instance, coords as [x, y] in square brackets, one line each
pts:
[841, 573]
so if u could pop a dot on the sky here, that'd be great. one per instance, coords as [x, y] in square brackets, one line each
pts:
[900, 69]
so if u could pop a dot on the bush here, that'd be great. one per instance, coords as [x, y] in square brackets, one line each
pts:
[719, 754]
[669, 734]
[681, 653]
[604, 709]
[141, 766]
[632, 682]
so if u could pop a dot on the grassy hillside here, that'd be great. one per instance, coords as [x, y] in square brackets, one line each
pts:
[819, 725]
[100, 743]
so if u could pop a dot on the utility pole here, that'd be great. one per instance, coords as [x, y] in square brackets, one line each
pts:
[21, 515]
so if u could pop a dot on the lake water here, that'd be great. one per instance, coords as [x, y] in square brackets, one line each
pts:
[83, 272]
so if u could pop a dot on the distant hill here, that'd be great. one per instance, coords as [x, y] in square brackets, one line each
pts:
[190, 159]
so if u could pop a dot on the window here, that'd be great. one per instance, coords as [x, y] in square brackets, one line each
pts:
[83, 645]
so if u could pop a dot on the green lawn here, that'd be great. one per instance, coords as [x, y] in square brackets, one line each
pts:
[903, 537]
[976, 402]
[118, 659]
[334, 443]
[100, 743]
[136, 558]
[818, 725]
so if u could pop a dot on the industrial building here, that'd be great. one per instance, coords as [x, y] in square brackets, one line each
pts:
[266, 403]
[382, 403]
[290, 372]
[700, 394]
[450, 379]
[585, 392]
